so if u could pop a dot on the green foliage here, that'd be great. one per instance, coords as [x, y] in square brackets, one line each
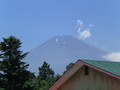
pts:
[45, 71]
[68, 67]
[31, 83]
[2, 89]
[46, 77]
[57, 77]
[13, 73]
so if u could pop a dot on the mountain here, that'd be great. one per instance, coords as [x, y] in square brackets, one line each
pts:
[60, 51]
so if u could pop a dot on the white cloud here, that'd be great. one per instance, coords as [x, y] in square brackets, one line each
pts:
[114, 56]
[79, 22]
[83, 33]
[79, 25]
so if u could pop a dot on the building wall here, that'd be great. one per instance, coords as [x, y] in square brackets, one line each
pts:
[94, 81]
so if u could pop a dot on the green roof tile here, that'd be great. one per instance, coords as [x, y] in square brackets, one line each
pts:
[112, 67]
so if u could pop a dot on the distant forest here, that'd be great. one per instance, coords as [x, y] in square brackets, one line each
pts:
[13, 70]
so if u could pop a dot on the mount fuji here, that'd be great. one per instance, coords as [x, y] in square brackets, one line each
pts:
[59, 51]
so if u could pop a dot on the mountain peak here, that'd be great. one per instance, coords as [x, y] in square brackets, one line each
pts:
[59, 51]
[63, 38]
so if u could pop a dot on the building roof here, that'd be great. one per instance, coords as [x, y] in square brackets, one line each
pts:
[107, 67]
[111, 67]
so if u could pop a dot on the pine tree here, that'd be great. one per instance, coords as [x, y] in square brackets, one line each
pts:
[13, 73]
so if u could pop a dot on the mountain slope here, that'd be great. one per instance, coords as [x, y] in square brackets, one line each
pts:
[60, 51]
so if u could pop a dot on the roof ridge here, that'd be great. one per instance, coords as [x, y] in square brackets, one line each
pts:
[98, 60]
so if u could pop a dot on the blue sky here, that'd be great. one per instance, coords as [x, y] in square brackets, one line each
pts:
[35, 21]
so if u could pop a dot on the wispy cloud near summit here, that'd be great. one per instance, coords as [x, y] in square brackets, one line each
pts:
[83, 32]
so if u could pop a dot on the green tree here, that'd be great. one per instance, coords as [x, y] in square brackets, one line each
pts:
[68, 67]
[13, 73]
[57, 77]
[45, 77]
[32, 83]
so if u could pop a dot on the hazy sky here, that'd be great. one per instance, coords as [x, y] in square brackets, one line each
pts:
[96, 22]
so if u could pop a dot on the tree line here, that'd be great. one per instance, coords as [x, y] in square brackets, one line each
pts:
[13, 70]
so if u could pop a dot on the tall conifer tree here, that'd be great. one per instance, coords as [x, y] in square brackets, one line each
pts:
[13, 73]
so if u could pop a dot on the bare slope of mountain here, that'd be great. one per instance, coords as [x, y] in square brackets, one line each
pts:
[60, 51]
